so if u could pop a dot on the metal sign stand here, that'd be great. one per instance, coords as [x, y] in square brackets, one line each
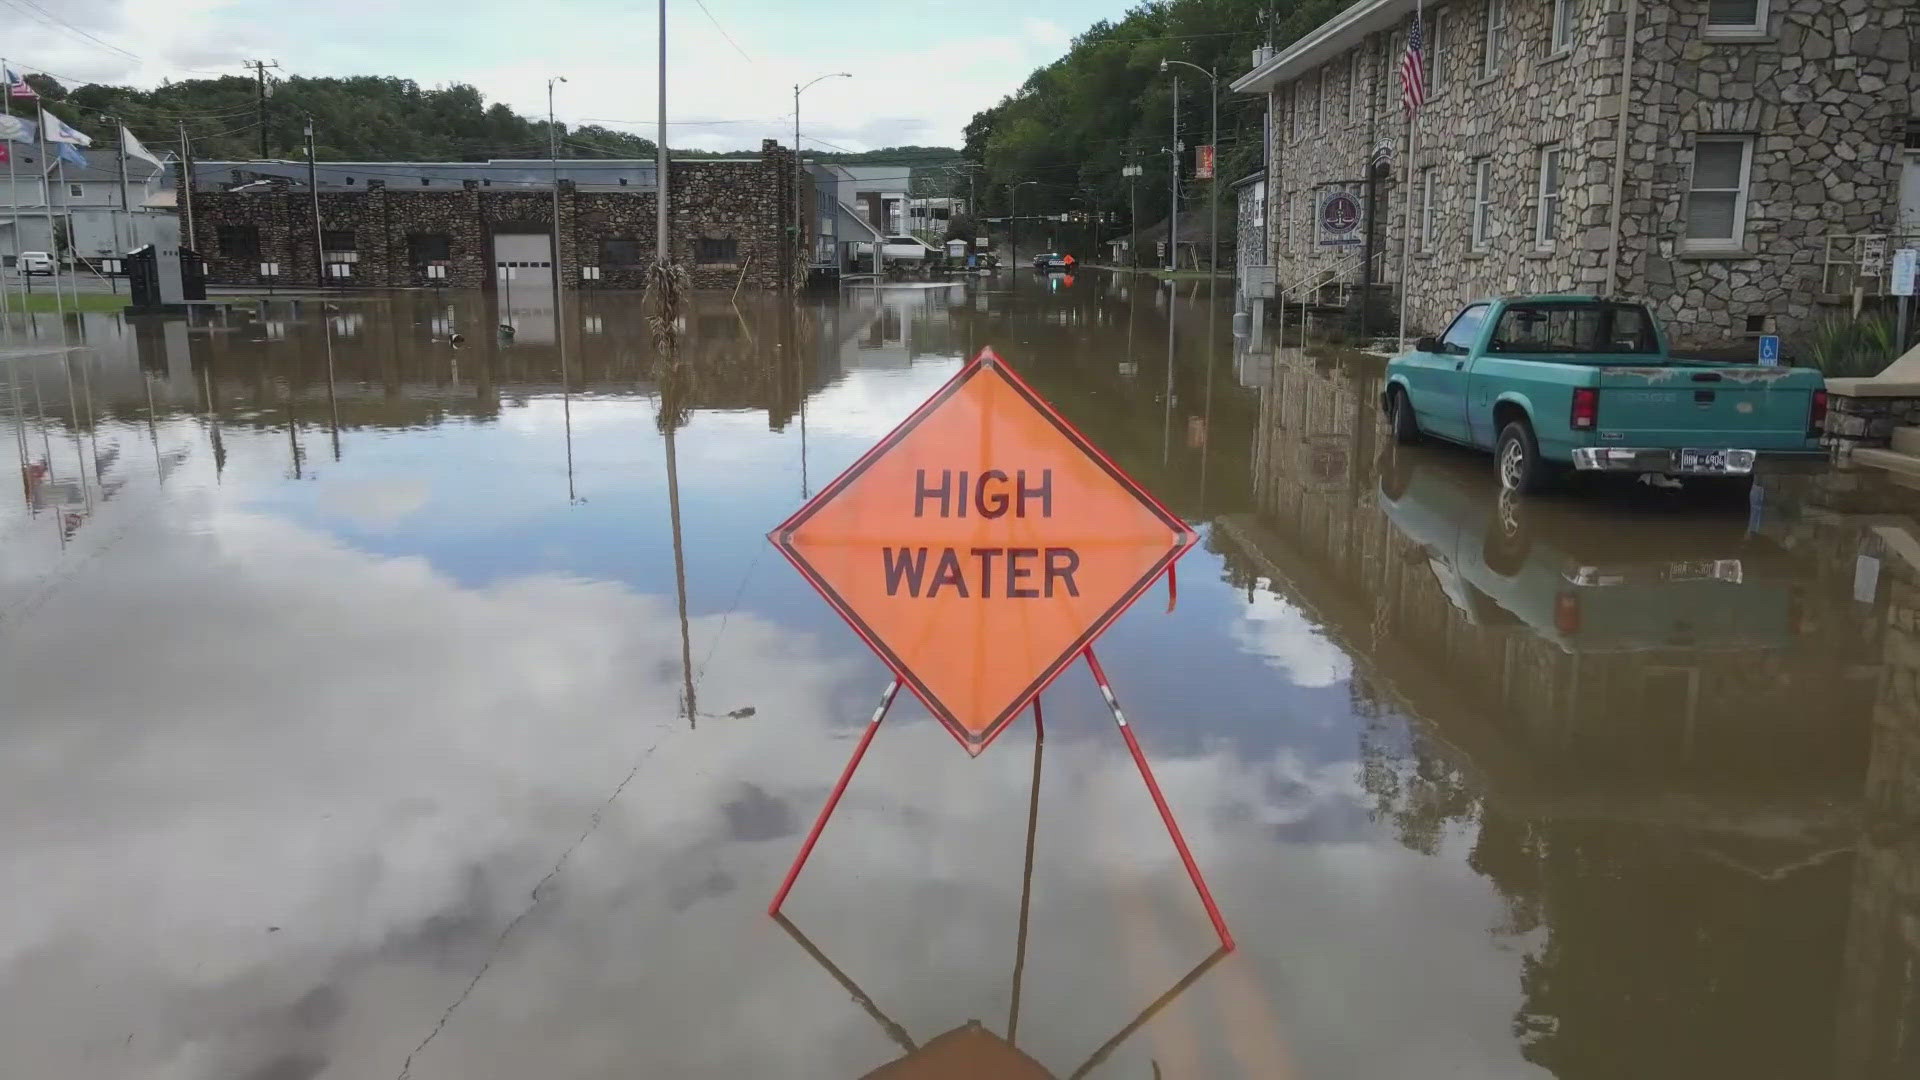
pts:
[1133, 746]
[899, 1034]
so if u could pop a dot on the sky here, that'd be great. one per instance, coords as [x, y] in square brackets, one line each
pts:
[920, 68]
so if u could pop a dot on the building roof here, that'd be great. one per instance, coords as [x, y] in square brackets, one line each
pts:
[590, 174]
[1253, 177]
[1323, 43]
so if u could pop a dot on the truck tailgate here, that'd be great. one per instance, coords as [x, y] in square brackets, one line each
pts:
[1754, 408]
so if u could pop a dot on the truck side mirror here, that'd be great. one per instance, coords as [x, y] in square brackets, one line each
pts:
[1427, 345]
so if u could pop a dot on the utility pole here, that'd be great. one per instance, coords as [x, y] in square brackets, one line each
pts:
[313, 186]
[799, 205]
[260, 99]
[1013, 220]
[660, 154]
[1213, 181]
[1132, 173]
[553, 158]
[186, 181]
[1173, 182]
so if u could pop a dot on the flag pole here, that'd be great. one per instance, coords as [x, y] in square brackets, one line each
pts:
[53, 246]
[1413, 135]
[13, 206]
[126, 207]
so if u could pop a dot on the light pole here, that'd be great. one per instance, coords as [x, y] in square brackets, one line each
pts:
[1173, 181]
[1213, 182]
[1013, 220]
[799, 207]
[660, 154]
[1132, 173]
[553, 157]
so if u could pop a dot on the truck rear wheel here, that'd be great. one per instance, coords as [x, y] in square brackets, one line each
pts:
[1517, 459]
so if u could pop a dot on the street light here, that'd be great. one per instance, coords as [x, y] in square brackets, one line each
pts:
[799, 206]
[1013, 219]
[1213, 243]
[1132, 173]
[553, 157]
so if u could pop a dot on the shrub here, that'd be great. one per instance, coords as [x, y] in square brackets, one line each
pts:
[1846, 347]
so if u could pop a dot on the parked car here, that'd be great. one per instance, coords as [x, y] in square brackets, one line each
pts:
[908, 248]
[35, 262]
[1552, 382]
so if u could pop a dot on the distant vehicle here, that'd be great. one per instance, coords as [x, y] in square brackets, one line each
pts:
[35, 262]
[1050, 260]
[909, 248]
[1548, 382]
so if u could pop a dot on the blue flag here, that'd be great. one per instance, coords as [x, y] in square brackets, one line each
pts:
[71, 154]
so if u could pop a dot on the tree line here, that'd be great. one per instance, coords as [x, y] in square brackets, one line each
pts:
[1074, 124]
[361, 118]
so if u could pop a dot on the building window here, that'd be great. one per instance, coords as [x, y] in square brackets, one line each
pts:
[1565, 14]
[1482, 203]
[76, 190]
[425, 248]
[1546, 223]
[1436, 32]
[1426, 209]
[337, 240]
[1356, 104]
[625, 252]
[1717, 195]
[1260, 203]
[1320, 100]
[1736, 16]
[239, 242]
[716, 251]
[1493, 50]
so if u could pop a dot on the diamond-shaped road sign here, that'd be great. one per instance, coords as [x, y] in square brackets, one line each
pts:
[981, 546]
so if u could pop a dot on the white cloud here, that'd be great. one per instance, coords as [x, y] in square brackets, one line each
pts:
[1272, 627]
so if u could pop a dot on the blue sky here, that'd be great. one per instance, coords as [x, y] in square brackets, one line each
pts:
[921, 67]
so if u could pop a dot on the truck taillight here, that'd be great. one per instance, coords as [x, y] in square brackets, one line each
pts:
[1817, 415]
[1566, 613]
[1586, 408]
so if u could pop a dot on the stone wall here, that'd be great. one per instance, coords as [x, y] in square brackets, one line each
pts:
[1866, 421]
[1823, 95]
[748, 202]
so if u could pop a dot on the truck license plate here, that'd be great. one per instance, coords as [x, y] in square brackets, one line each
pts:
[1703, 461]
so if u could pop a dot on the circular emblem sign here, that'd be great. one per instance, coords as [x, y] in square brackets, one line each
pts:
[1340, 214]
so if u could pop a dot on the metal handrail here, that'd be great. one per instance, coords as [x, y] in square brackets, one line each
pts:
[1845, 256]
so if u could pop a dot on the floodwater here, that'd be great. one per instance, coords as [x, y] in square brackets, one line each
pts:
[372, 707]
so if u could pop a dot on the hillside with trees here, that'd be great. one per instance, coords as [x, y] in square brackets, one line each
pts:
[365, 118]
[1075, 123]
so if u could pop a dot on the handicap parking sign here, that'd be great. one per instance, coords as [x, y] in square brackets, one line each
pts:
[1770, 350]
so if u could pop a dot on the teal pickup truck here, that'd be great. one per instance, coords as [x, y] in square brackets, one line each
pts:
[1552, 382]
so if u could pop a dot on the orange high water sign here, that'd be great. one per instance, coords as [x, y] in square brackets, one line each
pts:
[981, 547]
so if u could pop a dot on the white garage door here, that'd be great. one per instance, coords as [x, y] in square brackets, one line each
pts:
[523, 261]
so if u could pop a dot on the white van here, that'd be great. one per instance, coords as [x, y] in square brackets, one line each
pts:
[35, 262]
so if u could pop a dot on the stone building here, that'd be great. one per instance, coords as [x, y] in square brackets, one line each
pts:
[487, 224]
[1769, 141]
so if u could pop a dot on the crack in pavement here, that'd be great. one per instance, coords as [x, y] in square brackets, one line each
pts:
[533, 900]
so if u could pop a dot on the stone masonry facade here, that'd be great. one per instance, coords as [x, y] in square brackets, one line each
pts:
[727, 219]
[1811, 112]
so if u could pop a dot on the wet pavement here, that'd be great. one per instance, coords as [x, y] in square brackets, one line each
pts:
[376, 707]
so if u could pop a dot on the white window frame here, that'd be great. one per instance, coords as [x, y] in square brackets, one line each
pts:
[1354, 76]
[1757, 28]
[1546, 214]
[1566, 20]
[1259, 204]
[1426, 208]
[1738, 241]
[75, 191]
[1320, 100]
[1492, 59]
[1480, 234]
[1436, 45]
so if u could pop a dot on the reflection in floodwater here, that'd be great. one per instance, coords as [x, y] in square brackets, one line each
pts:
[1671, 730]
[1635, 782]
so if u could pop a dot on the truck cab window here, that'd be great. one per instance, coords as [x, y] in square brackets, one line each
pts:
[1465, 329]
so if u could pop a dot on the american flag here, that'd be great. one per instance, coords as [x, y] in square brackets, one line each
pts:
[1413, 78]
[17, 85]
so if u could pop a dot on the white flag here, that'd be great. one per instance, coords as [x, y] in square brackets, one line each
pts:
[54, 129]
[133, 149]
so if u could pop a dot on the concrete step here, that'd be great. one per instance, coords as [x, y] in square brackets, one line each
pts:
[1894, 461]
[1907, 440]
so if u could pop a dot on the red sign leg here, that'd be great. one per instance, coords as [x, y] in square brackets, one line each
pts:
[1166, 815]
[833, 800]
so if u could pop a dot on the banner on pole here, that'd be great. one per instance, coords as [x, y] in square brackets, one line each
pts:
[1203, 162]
[981, 547]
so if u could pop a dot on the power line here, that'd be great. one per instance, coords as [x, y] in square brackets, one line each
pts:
[723, 31]
[36, 11]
